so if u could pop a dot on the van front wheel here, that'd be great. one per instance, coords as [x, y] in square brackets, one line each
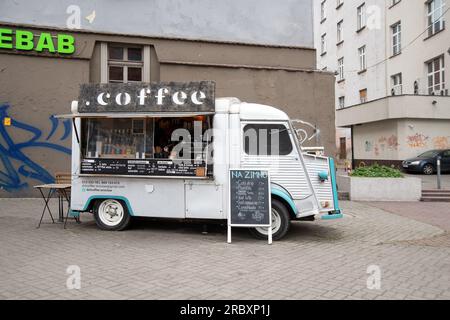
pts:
[280, 223]
[111, 214]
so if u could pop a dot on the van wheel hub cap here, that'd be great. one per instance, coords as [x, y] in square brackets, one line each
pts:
[111, 212]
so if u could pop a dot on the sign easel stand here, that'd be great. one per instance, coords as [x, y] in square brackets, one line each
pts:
[269, 209]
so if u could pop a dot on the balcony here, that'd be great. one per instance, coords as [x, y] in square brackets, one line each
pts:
[395, 107]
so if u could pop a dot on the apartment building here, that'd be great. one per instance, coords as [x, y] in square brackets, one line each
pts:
[389, 56]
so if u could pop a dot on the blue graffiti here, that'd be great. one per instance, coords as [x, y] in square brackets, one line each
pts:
[11, 178]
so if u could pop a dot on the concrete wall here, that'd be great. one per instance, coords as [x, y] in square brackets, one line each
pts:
[33, 87]
[385, 189]
[282, 22]
[418, 136]
[35, 146]
[376, 141]
[396, 107]
[400, 139]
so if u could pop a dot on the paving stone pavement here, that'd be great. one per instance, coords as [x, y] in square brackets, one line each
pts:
[167, 260]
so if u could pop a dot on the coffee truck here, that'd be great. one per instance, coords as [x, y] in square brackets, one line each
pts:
[165, 150]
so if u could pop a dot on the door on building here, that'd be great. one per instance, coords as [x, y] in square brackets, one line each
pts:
[342, 148]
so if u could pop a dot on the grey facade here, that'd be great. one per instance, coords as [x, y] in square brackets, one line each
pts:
[35, 86]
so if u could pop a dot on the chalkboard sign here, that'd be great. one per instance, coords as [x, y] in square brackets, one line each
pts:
[249, 198]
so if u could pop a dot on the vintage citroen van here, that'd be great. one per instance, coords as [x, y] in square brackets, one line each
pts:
[120, 170]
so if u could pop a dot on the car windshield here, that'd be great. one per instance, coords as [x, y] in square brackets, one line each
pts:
[428, 154]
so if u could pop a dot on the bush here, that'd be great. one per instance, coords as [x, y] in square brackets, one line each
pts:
[377, 171]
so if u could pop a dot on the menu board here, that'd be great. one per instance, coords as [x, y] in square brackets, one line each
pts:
[249, 198]
[145, 167]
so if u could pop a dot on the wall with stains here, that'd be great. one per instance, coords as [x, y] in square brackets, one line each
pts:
[422, 135]
[33, 144]
[377, 140]
[399, 139]
[34, 87]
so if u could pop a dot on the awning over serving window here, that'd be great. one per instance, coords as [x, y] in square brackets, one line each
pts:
[134, 115]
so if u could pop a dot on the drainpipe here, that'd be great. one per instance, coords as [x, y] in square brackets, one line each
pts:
[353, 147]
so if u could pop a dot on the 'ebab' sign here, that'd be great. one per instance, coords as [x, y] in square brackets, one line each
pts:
[24, 40]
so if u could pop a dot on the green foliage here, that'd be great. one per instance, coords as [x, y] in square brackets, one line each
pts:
[377, 171]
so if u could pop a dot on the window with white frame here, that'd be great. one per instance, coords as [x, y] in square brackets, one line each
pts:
[340, 31]
[396, 30]
[341, 102]
[436, 76]
[362, 58]
[125, 64]
[341, 69]
[361, 16]
[323, 43]
[396, 84]
[435, 17]
[323, 7]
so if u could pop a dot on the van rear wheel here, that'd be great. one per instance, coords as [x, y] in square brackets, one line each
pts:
[280, 223]
[111, 214]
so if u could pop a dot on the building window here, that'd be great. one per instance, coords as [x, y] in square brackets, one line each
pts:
[125, 64]
[341, 102]
[396, 38]
[435, 16]
[396, 83]
[341, 69]
[362, 58]
[361, 16]
[323, 14]
[340, 31]
[436, 76]
[323, 43]
[363, 95]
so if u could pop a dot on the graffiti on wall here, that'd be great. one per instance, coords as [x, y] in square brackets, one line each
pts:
[389, 143]
[441, 142]
[15, 164]
[417, 140]
[382, 144]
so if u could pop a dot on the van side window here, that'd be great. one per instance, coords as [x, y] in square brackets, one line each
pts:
[267, 139]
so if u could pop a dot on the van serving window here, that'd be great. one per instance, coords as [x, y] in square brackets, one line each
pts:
[169, 146]
[267, 139]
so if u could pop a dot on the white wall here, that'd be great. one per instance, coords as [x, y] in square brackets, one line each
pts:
[400, 139]
[373, 37]
[376, 140]
[411, 62]
[418, 136]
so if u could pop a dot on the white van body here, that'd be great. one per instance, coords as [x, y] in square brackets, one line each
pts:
[304, 183]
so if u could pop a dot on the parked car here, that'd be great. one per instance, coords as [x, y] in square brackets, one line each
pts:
[426, 162]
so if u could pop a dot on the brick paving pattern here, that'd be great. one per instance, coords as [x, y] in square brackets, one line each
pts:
[162, 260]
